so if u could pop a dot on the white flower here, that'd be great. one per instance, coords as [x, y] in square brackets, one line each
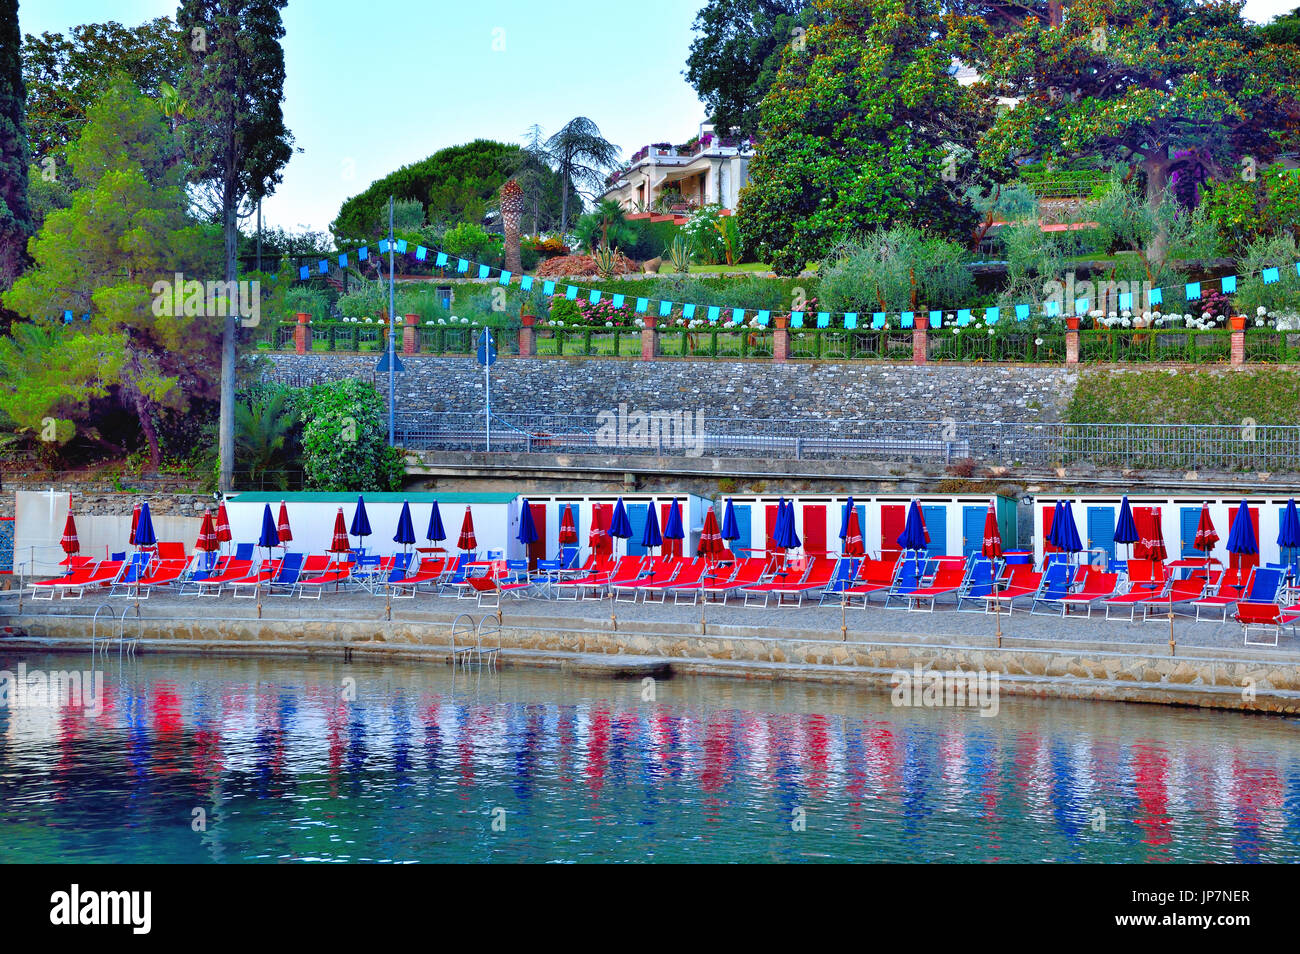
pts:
[1038, 341]
[1261, 310]
[1259, 322]
[609, 324]
[992, 331]
[369, 321]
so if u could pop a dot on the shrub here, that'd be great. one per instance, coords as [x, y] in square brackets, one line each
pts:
[471, 241]
[345, 438]
[304, 298]
[890, 268]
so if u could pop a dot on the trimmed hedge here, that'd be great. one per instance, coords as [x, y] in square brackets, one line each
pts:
[1181, 396]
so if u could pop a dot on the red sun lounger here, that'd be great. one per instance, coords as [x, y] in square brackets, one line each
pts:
[235, 570]
[161, 573]
[1097, 586]
[687, 577]
[337, 574]
[254, 582]
[947, 581]
[1267, 616]
[789, 588]
[746, 572]
[98, 574]
[874, 576]
[662, 573]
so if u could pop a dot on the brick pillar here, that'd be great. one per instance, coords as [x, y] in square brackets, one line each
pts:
[781, 340]
[302, 334]
[649, 340]
[1071, 340]
[1238, 323]
[411, 335]
[920, 346]
[527, 345]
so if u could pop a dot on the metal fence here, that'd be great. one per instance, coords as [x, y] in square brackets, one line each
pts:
[988, 443]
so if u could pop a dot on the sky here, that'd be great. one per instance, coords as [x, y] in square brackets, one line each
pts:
[371, 87]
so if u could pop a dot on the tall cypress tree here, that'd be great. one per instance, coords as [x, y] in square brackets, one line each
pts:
[15, 215]
[236, 138]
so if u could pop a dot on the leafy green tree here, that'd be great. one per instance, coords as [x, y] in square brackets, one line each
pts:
[66, 74]
[582, 157]
[897, 269]
[233, 83]
[1244, 210]
[865, 127]
[126, 229]
[345, 439]
[15, 216]
[736, 54]
[1285, 29]
[457, 184]
[606, 226]
[1152, 85]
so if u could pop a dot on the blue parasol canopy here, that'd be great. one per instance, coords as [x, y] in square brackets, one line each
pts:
[1241, 535]
[435, 532]
[1066, 531]
[1126, 530]
[913, 535]
[844, 518]
[730, 529]
[405, 534]
[673, 525]
[527, 528]
[1288, 534]
[144, 535]
[360, 522]
[270, 535]
[619, 525]
[650, 535]
[785, 536]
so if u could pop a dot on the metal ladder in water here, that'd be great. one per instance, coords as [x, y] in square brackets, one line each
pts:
[465, 627]
[122, 642]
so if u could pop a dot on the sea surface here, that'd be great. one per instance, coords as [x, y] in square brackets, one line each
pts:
[193, 759]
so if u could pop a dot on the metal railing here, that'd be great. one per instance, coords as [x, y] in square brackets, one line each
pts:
[988, 443]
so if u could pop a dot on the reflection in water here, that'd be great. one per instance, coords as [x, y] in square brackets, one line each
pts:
[224, 760]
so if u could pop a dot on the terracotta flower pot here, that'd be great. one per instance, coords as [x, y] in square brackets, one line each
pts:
[1237, 322]
[1072, 322]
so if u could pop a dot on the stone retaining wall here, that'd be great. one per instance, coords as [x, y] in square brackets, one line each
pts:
[721, 388]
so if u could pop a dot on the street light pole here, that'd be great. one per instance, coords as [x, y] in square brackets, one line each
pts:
[392, 308]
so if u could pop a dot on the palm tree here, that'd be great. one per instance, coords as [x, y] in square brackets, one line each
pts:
[263, 435]
[581, 156]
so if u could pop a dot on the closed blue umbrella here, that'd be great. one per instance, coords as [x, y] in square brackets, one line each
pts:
[786, 537]
[405, 534]
[1054, 535]
[360, 522]
[730, 529]
[913, 535]
[435, 533]
[673, 529]
[1126, 530]
[1069, 534]
[650, 535]
[844, 520]
[527, 528]
[619, 526]
[1288, 535]
[1241, 535]
[270, 535]
[144, 535]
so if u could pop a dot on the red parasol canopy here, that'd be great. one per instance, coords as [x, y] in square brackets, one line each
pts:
[1206, 536]
[853, 536]
[1152, 544]
[135, 522]
[340, 543]
[568, 532]
[282, 524]
[207, 541]
[711, 544]
[223, 524]
[69, 542]
[597, 538]
[467, 541]
[992, 547]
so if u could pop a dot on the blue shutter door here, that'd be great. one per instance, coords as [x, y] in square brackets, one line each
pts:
[636, 516]
[743, 517]
[936, 522]
[972, 529]
[1188, 518]
[1101, 530]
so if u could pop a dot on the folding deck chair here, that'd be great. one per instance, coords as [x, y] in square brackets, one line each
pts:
[1266, 616]
[949, 578]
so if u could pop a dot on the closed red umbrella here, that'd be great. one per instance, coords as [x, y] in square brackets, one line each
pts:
[70, 543]
[222, 524]
[1206, 536]
[568, 531]
[853, 546]
[467, 541]
[282, 524]
[596, 538]
[135, 523]
[992, 545]
[340, 543]
[207, 541]
[1152, 544]
[711, 544]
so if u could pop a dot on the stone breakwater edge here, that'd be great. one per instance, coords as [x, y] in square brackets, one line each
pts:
[1204, 672]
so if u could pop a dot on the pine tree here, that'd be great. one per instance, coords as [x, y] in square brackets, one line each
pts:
[236, 137]
[15, 216]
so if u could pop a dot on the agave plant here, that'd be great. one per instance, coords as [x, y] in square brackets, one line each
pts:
[679, 254]
[606, 260]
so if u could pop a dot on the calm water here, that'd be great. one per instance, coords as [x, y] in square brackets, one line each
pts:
[420, 764]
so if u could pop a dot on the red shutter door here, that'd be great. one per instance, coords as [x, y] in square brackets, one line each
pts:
[814, 529]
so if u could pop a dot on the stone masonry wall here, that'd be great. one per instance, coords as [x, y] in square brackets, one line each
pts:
[720, 388]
